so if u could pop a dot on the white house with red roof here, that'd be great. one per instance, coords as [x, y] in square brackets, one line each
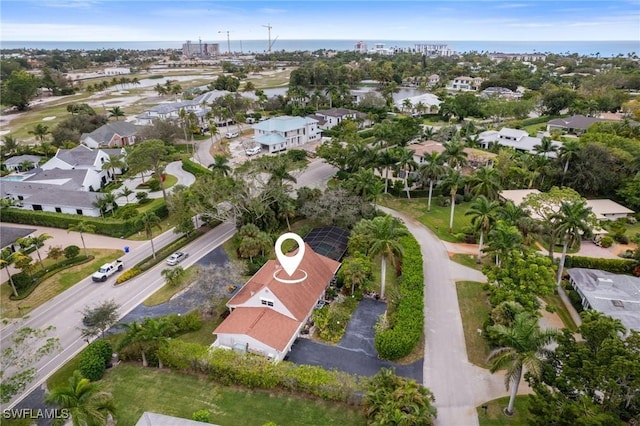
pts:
[267, 315]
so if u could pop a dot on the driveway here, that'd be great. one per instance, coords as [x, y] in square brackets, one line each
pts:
[174, 168]
[355, 353]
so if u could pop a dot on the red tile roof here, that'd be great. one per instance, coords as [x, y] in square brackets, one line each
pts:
[263, 324]
[298, 298]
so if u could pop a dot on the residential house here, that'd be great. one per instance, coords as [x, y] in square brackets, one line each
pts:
[329, 118]
[420, 104]
[615, 295]
[114, 134]
[267, 315]
[357, 95]
[434, 79]
[576, 124]
[522, 57]
[381, 49]
[15, 163]
[280, 133]
[64, 184]
[117, 71]
[475, 157]
[10, 234]
[500, 92]
[464, 83]
[514, 138]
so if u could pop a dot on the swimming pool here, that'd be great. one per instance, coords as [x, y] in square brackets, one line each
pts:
[13, 178]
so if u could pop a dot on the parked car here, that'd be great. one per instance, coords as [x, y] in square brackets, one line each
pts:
[254, 150]
[231, 135]
[107, 270]
[176, 258]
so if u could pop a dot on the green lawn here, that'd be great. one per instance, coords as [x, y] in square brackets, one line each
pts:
[555, 301]
[166, 292]
[138, 389]
[495, 416]
[474, 309]
[468, 260]
[437, 219]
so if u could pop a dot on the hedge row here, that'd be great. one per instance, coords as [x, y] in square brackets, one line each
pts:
[194, 168]
[406, 324]
[94, 359]
[615, 266]
[109, 226]
[253, 371]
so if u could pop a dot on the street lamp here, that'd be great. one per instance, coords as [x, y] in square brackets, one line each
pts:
[228, 41]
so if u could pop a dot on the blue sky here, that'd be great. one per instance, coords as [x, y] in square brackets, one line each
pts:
[159, 20]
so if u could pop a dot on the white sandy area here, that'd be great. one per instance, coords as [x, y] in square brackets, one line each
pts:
[52, 117]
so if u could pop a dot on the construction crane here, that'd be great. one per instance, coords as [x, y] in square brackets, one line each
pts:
[228, 41]
[268, 26]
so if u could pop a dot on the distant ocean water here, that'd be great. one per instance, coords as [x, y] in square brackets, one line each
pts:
[603, 48]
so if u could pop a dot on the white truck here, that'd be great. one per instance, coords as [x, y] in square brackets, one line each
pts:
[107, 270]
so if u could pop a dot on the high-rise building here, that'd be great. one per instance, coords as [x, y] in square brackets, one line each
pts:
[435, 49]
[361, 47]
[200, 49]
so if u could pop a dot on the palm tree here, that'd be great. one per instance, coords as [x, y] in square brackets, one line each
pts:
[482, 212]
[134, 337]
[545, 147]
[384, 232]
[38, 241]
[453, 180]
[114, 162]
[524, 346]
[40, 131]
[384, 160]
[116, 112]
[126, 191]
[572, 221]
[567, 152]
[406, 163]
[485, 181]
[82, 227]
[361, 182]
[149, 221]
[9, 144]
[331, 91]
[184, 118]
[110, 201]
[430, 171]
[279, 172]
[220, 165]
[454, 154]
[6, 259]
[101, 204]
[503, 239]
[86, 401]
[25, 165]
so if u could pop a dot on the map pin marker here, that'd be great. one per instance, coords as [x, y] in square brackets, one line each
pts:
[289, 263]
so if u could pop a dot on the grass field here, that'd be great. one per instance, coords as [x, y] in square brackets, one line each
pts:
[437, 220]
[474, 310]
[468, 260]
[561, 310]
[54, 285]
[495, 416]
[137, 390]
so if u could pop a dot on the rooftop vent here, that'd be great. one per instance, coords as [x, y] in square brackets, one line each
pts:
[618, 303]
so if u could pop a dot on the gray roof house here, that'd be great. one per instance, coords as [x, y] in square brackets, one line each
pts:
[116, 134]
[574, 124]
[9, 235]
[280, 133]
[329, 118]
[14, 163]
[615, 295]
[514, 138]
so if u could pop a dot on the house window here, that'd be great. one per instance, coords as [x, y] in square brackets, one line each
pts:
[79, 211]
[266, 302]
[37, 207]
[58, 210]
[20, 197]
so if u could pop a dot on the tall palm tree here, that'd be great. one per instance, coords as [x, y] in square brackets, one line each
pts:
[220, 165]
[572, 221]
[502, 240]
[87, 402]
[483, 215]
[38, 241]
[110, 201]
[9, 144]
[454, 154]
[330, 91]
[545, 147]
[384, 160]
[406, 163]
[279, 171]
[134, 337]
[361, 182]
[82, 227]
[6, 259]
[430, 171]
[149, 221]
[116, 112]
[25, 165]
[485, 181]
[567, 152]
[384, 233]
[454, 181]
[524, 346]
[114, 162]
[40, 131]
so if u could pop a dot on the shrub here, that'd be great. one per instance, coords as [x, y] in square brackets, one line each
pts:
[615, 266]
[71, 251]
[405, 326]
[296, 154]
[606, 241]
[126, 212]
[185, 323]
[153, 184]
[194, 168]
[201, 416]
[621, 238]
[127, 275]
[92, 366]
[22, 281]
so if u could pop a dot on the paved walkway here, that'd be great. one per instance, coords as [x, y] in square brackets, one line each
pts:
[173, 168]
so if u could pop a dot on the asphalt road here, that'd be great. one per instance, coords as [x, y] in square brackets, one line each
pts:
[64, 311]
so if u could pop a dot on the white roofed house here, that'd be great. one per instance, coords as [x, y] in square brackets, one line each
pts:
[514, 138]
[17, 162]
[421, 104]
[280, 133]
[465, 83]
